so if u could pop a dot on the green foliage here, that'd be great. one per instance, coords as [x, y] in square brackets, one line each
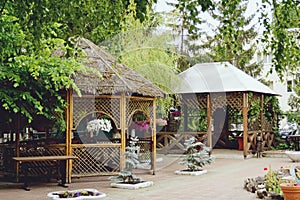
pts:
[234, 36]
[284, 28]
[273, 181]
[254, 108]
[185, 20]
[147, 52]
[271, 108]
[33, 76]
[293, 116]
[197, 120]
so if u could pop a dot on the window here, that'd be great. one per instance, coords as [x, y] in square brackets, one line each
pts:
[289, 86]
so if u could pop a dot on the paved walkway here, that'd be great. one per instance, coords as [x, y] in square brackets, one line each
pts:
[224, 180]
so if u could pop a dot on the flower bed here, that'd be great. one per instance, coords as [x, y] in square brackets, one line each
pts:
[79, 194]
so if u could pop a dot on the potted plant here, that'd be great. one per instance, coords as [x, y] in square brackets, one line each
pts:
[126, 179]
[160, 123]
[291, 187]
[197, 155]
[80, 194]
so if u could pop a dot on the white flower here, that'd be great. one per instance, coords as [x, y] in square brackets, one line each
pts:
[99, 124]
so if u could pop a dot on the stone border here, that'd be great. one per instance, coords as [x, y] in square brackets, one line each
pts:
[194, 173]
[132, 186]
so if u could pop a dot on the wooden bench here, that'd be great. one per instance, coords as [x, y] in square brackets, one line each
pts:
[59, 160]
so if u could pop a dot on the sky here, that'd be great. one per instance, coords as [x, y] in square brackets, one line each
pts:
[252, 9]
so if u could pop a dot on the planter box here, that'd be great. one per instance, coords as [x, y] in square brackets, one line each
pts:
[293, 155]
[132, 186]
[194, 173]
[55, 195]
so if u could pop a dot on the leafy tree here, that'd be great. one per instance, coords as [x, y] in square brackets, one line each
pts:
[30, 73]
[281, 36]
[147, 51]
[234, 36]
[185, 19]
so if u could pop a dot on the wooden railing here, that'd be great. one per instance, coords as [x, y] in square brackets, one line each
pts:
[173, 142]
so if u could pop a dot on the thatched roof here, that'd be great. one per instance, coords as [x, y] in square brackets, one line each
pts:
[117, 77]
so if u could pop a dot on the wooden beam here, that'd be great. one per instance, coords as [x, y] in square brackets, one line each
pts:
[245, 124]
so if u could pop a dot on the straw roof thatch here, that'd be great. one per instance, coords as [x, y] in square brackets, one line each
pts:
[117, 77]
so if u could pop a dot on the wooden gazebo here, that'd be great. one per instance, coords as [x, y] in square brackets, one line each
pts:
[237, 109]
[124, 97]
[121, 98]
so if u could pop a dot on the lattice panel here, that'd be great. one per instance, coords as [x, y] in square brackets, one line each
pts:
[132, 105]
[145, 151]
[218, 101]
[235, 100]
[195, 101]
[83, 106]
[96, 161]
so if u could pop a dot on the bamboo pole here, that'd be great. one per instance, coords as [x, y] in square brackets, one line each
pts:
[245, 124]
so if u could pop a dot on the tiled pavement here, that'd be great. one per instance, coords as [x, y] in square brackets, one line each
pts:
[224, 180]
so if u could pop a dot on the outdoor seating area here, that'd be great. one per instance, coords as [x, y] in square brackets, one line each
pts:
[149, 100]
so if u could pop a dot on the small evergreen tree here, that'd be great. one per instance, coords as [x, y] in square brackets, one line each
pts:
[197, 155]
[131, 162]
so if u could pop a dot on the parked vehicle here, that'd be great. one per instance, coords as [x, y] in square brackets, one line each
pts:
[288, 129]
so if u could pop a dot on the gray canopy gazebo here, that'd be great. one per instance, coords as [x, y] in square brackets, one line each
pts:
[220, 88]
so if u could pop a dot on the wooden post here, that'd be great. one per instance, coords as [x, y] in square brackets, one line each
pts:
[69, 127]
[153, 160]
[185, 119]
[17, 143]
[209, 122]
[245, 124]
[262, 117]
[123, 127]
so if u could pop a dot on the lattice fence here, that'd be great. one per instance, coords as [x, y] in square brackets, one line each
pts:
[95, 160]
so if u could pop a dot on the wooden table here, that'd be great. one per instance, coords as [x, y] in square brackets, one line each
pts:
[60, 163]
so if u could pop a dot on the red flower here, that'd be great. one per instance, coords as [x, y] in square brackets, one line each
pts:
[265, 169]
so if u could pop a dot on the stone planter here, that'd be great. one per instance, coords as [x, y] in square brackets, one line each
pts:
[290, 192]
[293, 155]
[76, 194]
[132, 186]
[191, 173]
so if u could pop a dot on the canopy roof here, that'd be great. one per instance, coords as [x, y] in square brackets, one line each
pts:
[218, 77]
[116, 77]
